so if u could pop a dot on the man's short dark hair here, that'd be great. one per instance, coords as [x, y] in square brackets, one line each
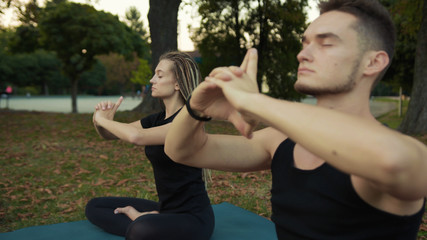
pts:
[374, 24]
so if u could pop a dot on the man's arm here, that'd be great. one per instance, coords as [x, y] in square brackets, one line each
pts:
[393, 162]
[187, 143]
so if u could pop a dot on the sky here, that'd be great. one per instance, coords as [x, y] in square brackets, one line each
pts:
[186, 16]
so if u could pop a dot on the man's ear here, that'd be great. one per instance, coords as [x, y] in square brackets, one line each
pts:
[376, 62]
[176, 86]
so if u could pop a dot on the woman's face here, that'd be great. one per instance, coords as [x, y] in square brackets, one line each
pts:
[164, 84]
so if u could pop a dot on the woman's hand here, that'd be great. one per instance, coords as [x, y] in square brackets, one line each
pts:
[106, 109]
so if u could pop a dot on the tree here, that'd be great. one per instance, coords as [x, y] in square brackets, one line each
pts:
[416, 116]
[143, 74]
[25, 39]
[133, 17]
[137, 25]
[274, 27]
[39, 70]
[5, 59]
[407, 17]
[4, 4]
[118, 72]
[163, 21]
[78, 32]
[220, 38]
[29, 13]
[94, 81]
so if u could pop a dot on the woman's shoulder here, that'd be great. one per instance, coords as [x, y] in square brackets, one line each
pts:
[152, 119]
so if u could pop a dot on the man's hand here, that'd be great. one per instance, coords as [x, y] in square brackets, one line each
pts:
[237, 84]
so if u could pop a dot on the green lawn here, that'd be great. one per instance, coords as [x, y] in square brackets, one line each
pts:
[53, 163]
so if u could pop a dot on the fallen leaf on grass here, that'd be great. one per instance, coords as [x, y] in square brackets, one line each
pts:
[121, 182]
[103, 182]
[81, 171]
[70, 209]
[25, 215]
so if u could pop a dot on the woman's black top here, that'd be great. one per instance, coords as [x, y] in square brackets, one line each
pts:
[180, 188]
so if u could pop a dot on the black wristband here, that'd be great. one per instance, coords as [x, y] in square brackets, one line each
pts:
[192, 114]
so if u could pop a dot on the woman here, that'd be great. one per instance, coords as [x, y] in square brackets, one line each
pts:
[183, 210]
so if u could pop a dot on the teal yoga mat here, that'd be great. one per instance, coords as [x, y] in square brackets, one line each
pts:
[231, 223]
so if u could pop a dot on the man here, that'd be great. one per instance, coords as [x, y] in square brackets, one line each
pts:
[337, 173]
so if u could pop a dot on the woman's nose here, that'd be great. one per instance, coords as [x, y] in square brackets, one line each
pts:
[152, 80]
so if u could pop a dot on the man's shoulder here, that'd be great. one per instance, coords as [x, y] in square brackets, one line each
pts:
[270, 138]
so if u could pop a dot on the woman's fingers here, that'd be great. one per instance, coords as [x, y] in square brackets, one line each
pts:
[117, 104]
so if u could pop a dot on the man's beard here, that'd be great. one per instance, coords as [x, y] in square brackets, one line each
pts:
[331, 90]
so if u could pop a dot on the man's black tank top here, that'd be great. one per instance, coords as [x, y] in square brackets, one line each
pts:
[322, 204]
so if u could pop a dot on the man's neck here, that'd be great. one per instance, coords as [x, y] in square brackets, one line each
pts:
[351, 103]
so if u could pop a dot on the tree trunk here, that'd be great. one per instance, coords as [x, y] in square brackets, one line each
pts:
[74, 85]
[163, 21]
[415, 121]
[263, 35]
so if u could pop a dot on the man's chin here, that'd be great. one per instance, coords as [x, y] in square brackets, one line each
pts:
[305, 90]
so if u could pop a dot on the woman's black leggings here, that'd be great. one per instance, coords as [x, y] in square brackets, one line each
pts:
[188, 226]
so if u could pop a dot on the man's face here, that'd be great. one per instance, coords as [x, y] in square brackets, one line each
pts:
[330, 59]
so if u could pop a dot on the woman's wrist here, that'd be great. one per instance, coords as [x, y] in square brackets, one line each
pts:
[195, 114]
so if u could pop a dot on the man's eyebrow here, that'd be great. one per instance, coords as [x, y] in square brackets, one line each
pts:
[328, 35]
[323, 36]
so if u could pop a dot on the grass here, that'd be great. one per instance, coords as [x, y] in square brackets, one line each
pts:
[53, 163]
[392, 119]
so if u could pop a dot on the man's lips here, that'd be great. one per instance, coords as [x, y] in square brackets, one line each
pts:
[302, 70]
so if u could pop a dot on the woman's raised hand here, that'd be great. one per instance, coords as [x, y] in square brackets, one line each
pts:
[106, 109]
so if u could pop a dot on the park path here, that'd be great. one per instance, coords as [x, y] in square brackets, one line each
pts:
[86, 104]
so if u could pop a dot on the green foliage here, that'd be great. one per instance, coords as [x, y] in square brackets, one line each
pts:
[93, 81]
[133, 18]
[137, 26]
[29, 13]
[40, 69]
[26, 36]
[274, 27]
[407, 18]
[78, 32]
[143, 74]
[5, 68]
[25, 39]
[118, 71]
